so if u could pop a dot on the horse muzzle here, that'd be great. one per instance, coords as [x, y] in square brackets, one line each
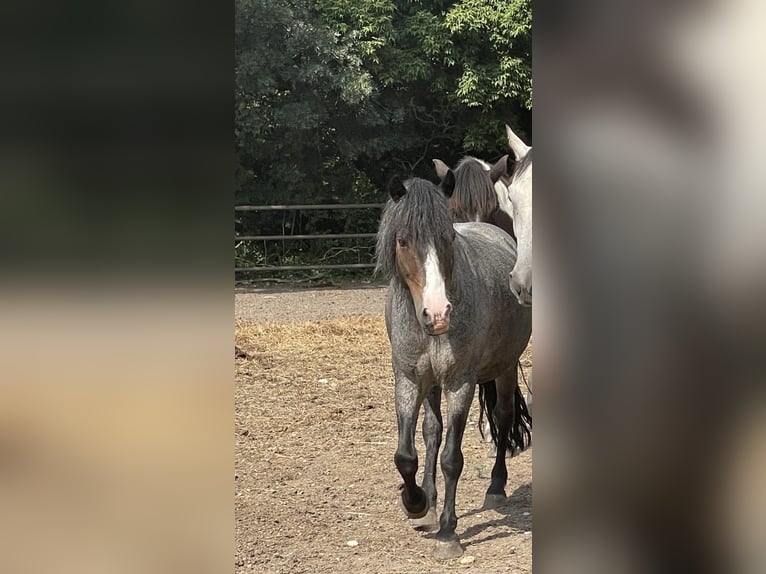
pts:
[524, 299]
[438, 328]
[437, 323]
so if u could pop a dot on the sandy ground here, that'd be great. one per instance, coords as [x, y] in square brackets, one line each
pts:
[316, 489]
[280, 304]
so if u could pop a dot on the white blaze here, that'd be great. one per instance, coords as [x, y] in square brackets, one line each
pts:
[434, 293]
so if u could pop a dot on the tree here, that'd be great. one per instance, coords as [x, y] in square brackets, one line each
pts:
[454, 71]
[332, 97]
[294, 78]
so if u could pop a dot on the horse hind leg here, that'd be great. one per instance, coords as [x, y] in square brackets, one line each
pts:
[487, 427]
[432, 437]
[503, 417]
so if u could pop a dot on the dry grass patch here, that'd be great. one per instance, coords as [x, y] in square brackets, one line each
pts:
[315, 437]
[340, 365]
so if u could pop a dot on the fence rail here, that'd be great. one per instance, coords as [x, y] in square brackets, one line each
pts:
[310, 206]
[317, 236]
[307, 267]
[307, 237]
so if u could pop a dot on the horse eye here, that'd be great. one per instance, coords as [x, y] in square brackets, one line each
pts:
[402, 243]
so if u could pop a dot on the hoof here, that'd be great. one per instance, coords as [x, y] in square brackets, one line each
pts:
[417, 508]
[428, 522]
[494, 500]
[448, 549]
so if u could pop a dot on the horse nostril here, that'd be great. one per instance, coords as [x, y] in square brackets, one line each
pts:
[448, 310]
[425, 312]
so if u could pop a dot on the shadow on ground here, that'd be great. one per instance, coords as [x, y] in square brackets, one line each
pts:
[511, 518]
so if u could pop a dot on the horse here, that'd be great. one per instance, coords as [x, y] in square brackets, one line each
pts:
[452, 322]
[520, 194]
[506, 203]
[475, 197]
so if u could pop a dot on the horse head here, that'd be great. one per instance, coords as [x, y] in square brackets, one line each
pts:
[520, 194]
[415, 245]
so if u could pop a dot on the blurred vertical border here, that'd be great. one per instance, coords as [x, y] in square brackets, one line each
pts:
[116, 194]
[649, 298]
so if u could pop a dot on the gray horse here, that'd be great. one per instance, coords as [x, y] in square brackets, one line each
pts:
[520, 194]
[452, 322]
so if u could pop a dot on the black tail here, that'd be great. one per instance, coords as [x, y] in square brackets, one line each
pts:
[521, 431]
[520, 434]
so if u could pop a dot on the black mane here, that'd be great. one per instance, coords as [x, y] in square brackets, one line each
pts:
[422, 215]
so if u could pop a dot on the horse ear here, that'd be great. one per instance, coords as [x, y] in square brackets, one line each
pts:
[499, 169]
[448, 183]
[441, 168]
[519, 148]
[396, 188]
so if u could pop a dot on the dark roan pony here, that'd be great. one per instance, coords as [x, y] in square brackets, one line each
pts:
[452, 322]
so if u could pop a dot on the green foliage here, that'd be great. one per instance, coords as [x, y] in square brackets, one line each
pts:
[332, 97]
[496, 50]
[293, 79]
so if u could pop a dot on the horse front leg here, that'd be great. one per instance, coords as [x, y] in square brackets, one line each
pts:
[458, 404]
[408, 397]
[432, 437]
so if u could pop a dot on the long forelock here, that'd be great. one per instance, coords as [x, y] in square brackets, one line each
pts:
[423, 213]
[474, 195]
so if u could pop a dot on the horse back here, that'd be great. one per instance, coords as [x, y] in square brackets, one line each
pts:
[488, 305]
[486, 247]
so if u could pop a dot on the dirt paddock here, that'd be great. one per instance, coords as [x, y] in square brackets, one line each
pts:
[316, 489]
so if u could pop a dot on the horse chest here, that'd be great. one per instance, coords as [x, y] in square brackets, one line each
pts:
[433, 362]
[441, 357]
